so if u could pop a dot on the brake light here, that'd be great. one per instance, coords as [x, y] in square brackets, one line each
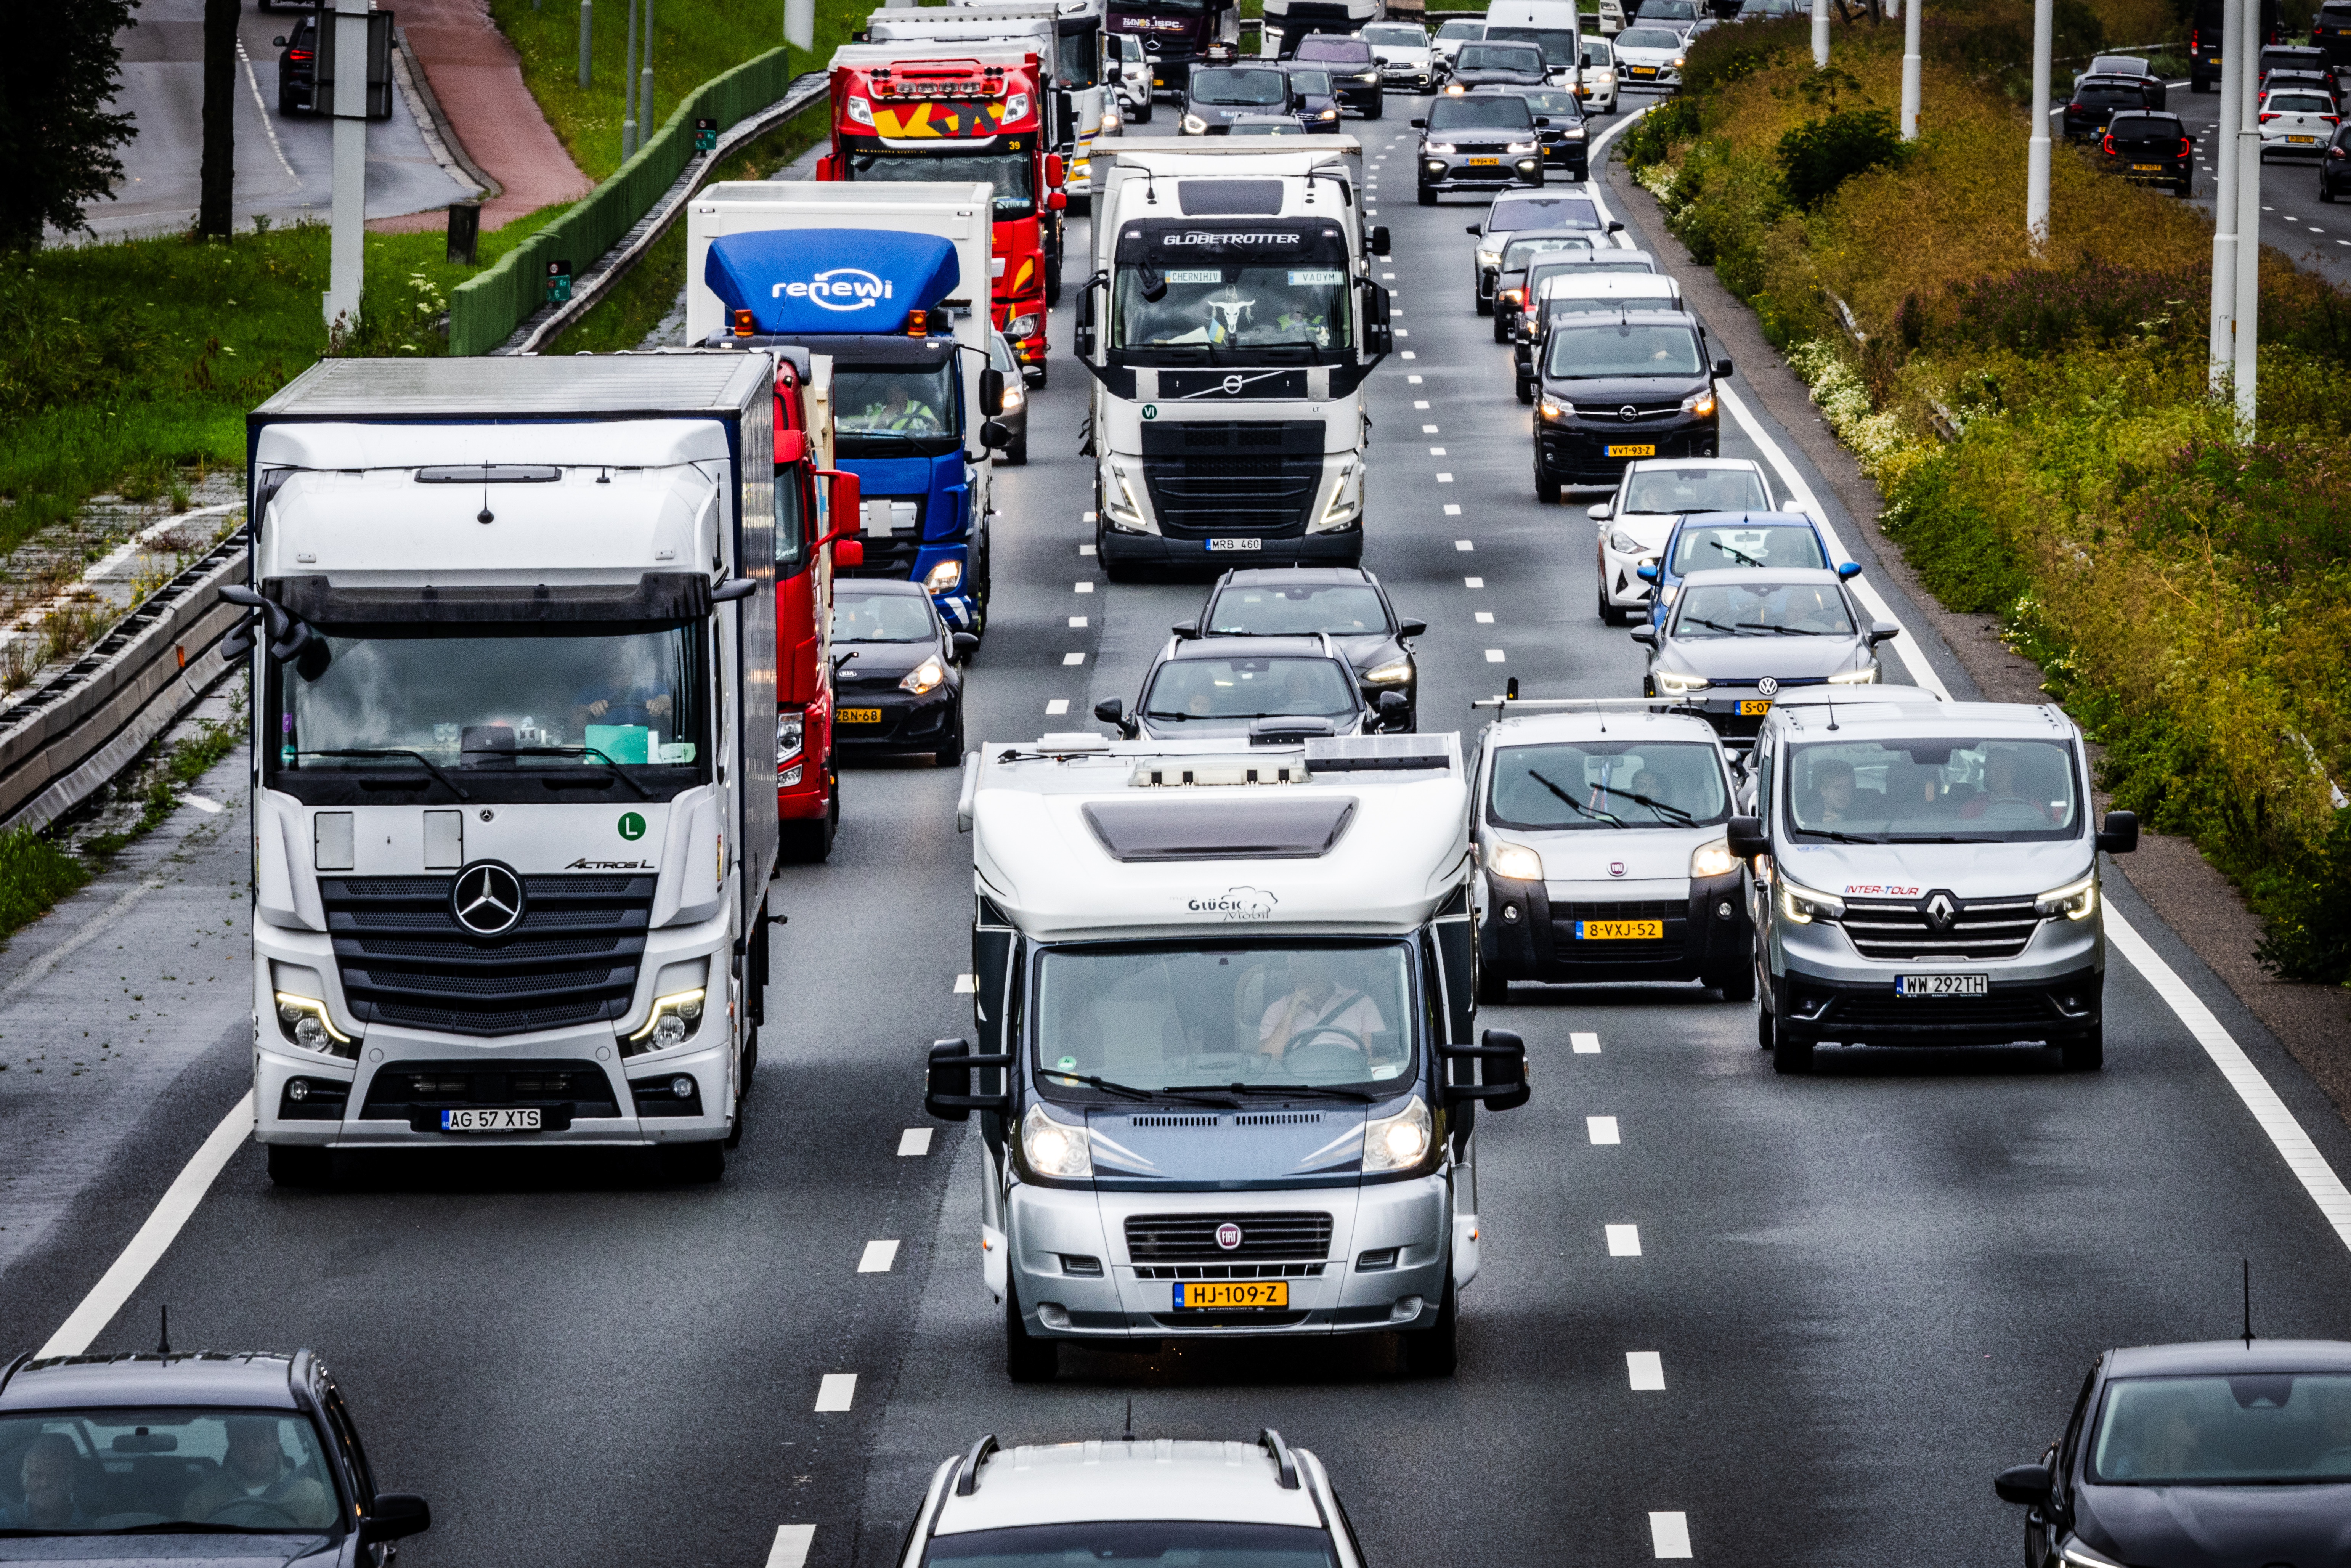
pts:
[2186, 148]
[2268, 115]
[2108, 145]
[299, 56]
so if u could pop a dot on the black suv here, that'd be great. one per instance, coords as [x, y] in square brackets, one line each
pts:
[298, 67]
[1355, 70]
[1617, 388]
[2334, 167]
[2096, 101]
[2330, 33]
[1497, 65]
[2149, 147]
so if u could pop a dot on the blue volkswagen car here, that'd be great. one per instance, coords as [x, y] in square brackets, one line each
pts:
[1723, 541]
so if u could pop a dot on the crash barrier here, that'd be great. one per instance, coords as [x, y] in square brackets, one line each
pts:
[63, 741]
[484, 309]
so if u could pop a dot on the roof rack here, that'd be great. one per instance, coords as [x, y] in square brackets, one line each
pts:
[1511, 700]
[1270, 1441]
[967, 1482]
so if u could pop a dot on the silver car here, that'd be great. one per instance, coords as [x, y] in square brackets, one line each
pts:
[1735, 639]
[1406, 58]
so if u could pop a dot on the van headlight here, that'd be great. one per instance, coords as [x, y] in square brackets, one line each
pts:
[671, 1023]
[1556, 408]
[2077, 900]
[1515, 861]
[1801, 905]
[1055, 1148]
[1699, 403]
[1712, 859]
[1401, 1142]
[303, 1022]
[1194, 125]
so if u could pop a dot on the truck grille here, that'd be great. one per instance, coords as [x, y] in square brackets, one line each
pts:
[1219, 477]
[406, 961]
[417, 1091]
[1192, 1238]
[1989, 928]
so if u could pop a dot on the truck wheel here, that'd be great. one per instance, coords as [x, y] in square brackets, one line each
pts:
[1434, 1351]
[811, 843]
[2085, 1053]
[1027, 1359]
[1791, 1052]
[1493, 987]
[300, 1166]
[696, 1163]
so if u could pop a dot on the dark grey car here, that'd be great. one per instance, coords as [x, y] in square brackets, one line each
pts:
[1252, 686]
[896, 684]
[1345, 603]
[1736, 639]
[1220, 95]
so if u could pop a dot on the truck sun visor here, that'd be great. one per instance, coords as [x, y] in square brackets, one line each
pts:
[1302, 829]
[824, 282]
[655, 596]
[1265, 242]
[1229, 198]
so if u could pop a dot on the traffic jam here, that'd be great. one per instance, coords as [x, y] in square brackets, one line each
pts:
[1372, 766]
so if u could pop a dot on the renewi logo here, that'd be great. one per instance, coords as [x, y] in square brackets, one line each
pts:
[838, 288]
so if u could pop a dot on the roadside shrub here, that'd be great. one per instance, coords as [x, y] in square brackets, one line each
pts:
[1651, 138]
[1725, 55]
[2041, 310]
[2309, 909]
[1817, 158]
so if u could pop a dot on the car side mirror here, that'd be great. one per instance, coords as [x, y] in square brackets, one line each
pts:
[1412, 629]
[1502, 1057]
[1379, 239]
[1111, 710]
[2120, 835]
[1185, 628]
[963, 645]
[1883, 631]
[1416, 125]
[1599, 513]
[1542, 120]
[278, 42]
[2029, 1485]
[948, 1091]
[995, 436]
[1479, 229]
[991, 391]
[1647, 573]
[1614, 227]
[392, 1515]
[1745, 837]
[1392, 706]
[1848, 570]
[1646, 634]
[1722, 370]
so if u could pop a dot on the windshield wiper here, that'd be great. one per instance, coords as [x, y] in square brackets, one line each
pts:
[1733, 550]
[1833, 833]
[1782, 631]
[1328, 1091]
[1686, 820]
[418, 757]
[1702, 621]
[1594, 812]
[1132, 1093]
[641, 792]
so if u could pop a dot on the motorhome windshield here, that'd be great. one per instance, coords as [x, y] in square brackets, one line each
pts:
[1159, 1016]
[1573, 785]
[1010, 171]
[880, 408]
[1935, 789]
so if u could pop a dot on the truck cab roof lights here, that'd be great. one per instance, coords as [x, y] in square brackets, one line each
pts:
[745, 323]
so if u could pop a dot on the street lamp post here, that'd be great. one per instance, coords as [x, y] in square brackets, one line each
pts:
[347, 238]
[1820, 34]
[2223, 341]
[2242, 56]
[1910, 9]
[2036, 177]
[645, 83]
[628, 91]
[587, 33]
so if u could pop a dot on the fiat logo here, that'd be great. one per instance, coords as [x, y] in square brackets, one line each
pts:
[1768, 686]
[486, 899]
[1228, 1235]
[1615, 868]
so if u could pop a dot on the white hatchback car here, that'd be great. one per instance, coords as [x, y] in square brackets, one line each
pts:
[1158, 1501]
[2300, 121]
[1600, 86]
[1650, 56]
[1655, 493]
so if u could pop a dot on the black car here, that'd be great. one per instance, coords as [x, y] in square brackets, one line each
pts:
[2330, 33]
[896, 687]
[251, 1460]
[1526, 248]
[1354, 69]
[1735, 639]
[1346, 604]
[1220, 94]
[1638, 385]
[1314, 97]
[1565, 138]
[298, 67]
[2153, 148]
[1260, 687]
[2334, 167]
[2096, 101]
[2296, 58]
[1482, 143]
[2137, 68]
[1496, 64]
[2232, 1451]
[1516, 211]
[2204, 40]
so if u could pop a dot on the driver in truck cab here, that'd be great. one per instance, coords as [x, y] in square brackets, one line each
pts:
[898, 410]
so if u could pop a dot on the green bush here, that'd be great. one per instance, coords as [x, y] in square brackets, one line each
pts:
[1817, 158]
[34, 874]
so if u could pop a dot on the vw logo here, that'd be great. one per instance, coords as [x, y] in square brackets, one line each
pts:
[1628, 413]
[1233, 385]
[1228, 1235]
[1941, 910]
[1768, 686]
[1615, 868]
[487, 898]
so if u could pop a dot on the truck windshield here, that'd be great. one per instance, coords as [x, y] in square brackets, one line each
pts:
[1157, 1542]
[1077, 68]
[508, 701]
[893, 403]
[100, 1472]
[1608, 784]
[1010, 172]
[1936, 789]
[1158, 1015]
[2254, 1429]
[1233, 304]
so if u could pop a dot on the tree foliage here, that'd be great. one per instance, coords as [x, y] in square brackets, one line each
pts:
[57, 140]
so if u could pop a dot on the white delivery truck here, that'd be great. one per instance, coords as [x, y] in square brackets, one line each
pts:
[514, 810]
[891, 282]
[1229, 321]
[1224, 1004]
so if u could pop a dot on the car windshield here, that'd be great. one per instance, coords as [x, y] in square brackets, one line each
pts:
[1458, 30]
[1510, 213]
[1715, 610]
[81, 1472]
[1603, 350]
[1244, 688]
[1608, 784]
[564, 699]
[1557, 44]
[1315, 82]
[1299, 609]
[1480, 114]
[1255, 87]
[1500, 56]
[1396, 35]
[1710, 547]
[881, 617]
[1232, 306]
[1009, 173]
[1519, 254]
[1322, 47]
[1648, 38]
[1668, 11]
[2243, 1430]
[894, 400]
[1554, 104]
[1154, 1016]
[1696, 490]
[1935, 788]
[1597, 53]
[2117, 66]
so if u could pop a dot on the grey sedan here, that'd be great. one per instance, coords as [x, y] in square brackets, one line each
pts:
[1736, 639]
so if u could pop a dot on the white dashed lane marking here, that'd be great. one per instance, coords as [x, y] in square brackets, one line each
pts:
[1624, 1241]
[1646, 1369]
[1057, 707]
[1463, 545]
[1067, 659]
[1473, 582]
[1445, 478]
[1085, 587]
[836, 1391]
[879, 1256]
[1493, 655]
[966, 984]
[915, 1142]
[791, 1547]
[1077, 620]
[1584, 1043]
[1602, 1129]
[1452, 510]
[1485, 617]
[1669, 1534]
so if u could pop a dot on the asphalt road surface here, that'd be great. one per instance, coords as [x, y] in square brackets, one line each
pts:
[1866, 1291]
[285, 165]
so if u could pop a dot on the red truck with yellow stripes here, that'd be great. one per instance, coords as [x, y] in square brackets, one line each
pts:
[963, 112]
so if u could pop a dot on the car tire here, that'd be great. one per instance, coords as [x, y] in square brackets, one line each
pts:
[1379, 105]
[1502, 329]
[1485, 306]
[2085, 1053]
[951, 754]
[1026, 1358]
[1791, 1053]
[1016, 456]
[1546, 488]
[286, 109]
[1608, 609]
[1143, 116]
[696, 1164]
[1526, 389]
[2326, 191]
[1493, 987]
[1427, 197]
[1434, 1350]
[301, 1167]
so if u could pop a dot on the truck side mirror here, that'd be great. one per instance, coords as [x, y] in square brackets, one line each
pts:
[1057, 200]
[1745, 837]
[1379, 239]
[2120, 835]
[1379, 337]
[991, 391]
[1502, 1057]
[996, 435]
[1055, 170]
[1721, 369]
[1085, 343]
[848, 553]
[948, 1091]
[846, 503]
[828, 167]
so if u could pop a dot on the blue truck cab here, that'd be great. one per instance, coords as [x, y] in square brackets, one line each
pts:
[913, 402]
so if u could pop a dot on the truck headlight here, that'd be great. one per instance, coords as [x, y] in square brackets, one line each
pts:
[1194, 125]
[1515, 861]
[1020, 326]
[1801, 905]
[944, 577]
[673, 1023]
[1124, 512]
[1395, 673]
[2077, 900]
[925, 676]
[791, 734]
[1400, 1142]
[860, 111]
[1699, 403]
[1672, 684]
[1016, 106]
[1712, 859]
[1853, 678]
[303, 1020]
[1055, 1148]
[1346, 501]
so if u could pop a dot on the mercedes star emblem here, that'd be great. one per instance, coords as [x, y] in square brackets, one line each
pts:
[487, 898]
[1768, 686]
[1228, 1235]
[1941, 910]
[1628, 413]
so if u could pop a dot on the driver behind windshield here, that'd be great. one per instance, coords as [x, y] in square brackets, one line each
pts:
[895, 410]
[1318, 1003]
[258, 1485]
[1231, 307]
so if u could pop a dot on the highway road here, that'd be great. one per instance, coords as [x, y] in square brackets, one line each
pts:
[1866, 1290]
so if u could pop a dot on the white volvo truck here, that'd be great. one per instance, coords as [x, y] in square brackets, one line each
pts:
[1223, 1061]
[514, 810]
[1229, 321]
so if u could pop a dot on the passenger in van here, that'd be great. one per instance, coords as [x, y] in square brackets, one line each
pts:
[1317, 1003]
[255, 1470]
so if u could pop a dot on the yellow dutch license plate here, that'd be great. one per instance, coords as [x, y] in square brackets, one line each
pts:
[1226, 1295]
[2147, 168]
[1649, 451]
[1481, 163]
[1754, 708]
[2302, 139]
[861, 716]
[1619, 930]
[1641, 70]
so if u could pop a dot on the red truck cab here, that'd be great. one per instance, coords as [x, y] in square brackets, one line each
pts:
[816, 522]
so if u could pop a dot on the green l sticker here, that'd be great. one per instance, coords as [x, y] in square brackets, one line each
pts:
[632, 827]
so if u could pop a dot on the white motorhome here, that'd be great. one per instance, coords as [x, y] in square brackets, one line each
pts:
[514, 806]
[1225, 998]
[1229, 323]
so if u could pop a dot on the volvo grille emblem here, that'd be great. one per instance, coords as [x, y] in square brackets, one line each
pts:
[1628, 413]
[1941, 910]
[1615, 868]
[1768, 686]
[487, 898]
[1233, 385]
[1228, 1235]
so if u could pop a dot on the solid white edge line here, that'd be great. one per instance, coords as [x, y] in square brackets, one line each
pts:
[1593, 162]
[187, 1190]
[2286, 1133]
[791, 1547]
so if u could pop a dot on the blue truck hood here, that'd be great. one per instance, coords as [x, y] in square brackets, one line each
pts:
[829, 281]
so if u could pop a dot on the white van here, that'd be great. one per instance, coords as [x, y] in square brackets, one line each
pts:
[1555, 25]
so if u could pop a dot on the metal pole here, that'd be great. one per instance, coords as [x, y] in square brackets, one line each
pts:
[1910, 9]
[2036, 178]
[346, 246]
[628, 91]
[2243, 59]
[1820, 34]
[587, 33]
[645, 83]
[2223, 341]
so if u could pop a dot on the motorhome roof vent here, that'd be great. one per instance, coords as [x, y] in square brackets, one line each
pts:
[1304, 827]
[1378, 754]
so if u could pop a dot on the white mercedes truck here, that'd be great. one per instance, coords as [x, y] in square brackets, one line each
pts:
[1226, 991]
[1229, 321]
[514, 685]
